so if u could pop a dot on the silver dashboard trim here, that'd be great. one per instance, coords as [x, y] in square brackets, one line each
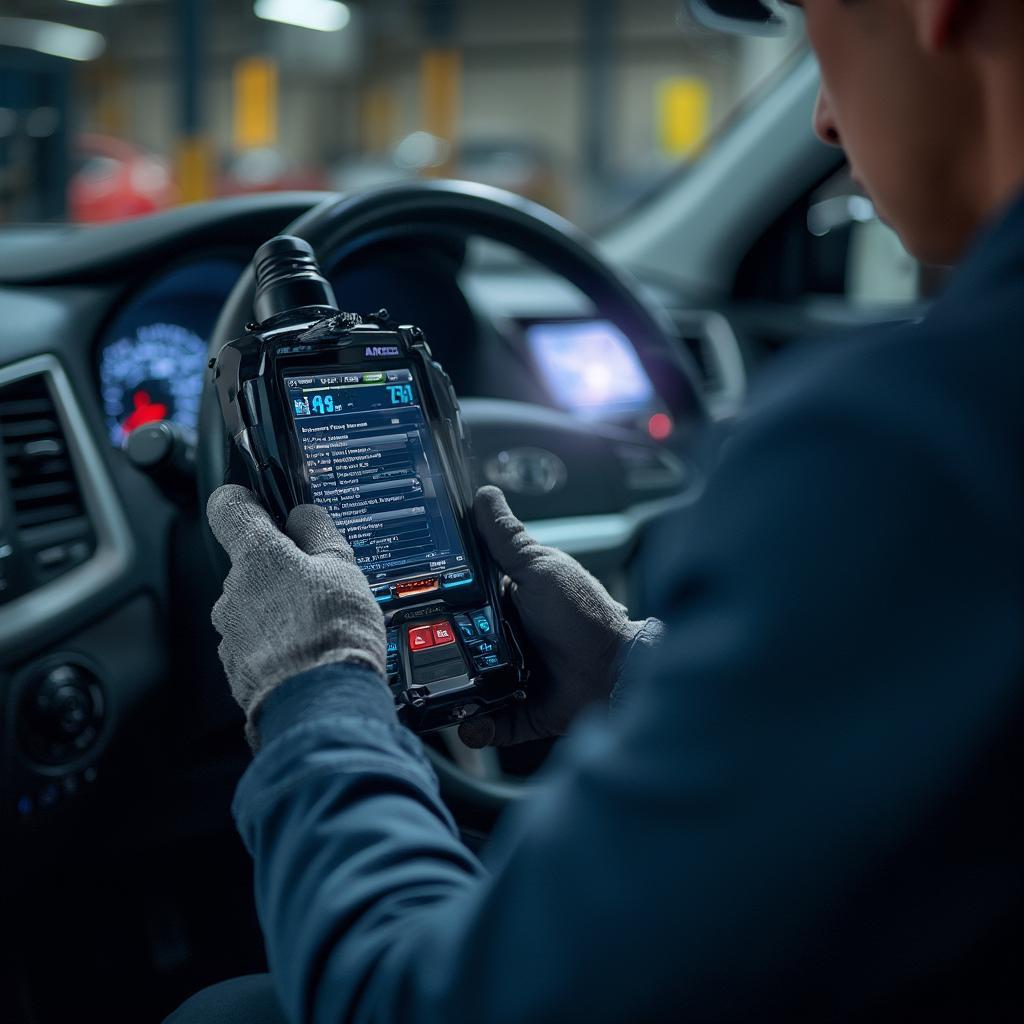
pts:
[31, 612]
[726, 390]
[581, 536]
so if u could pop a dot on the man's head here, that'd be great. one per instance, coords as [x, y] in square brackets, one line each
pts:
[927, 99]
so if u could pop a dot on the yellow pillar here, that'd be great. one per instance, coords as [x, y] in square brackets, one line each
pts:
[440, 81]
[255, 103]
[684, 114]
[195, 169]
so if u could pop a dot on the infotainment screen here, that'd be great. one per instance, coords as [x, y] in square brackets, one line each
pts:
[373, 464]
[589, 366]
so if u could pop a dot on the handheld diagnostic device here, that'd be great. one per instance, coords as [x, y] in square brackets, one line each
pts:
[356, 416]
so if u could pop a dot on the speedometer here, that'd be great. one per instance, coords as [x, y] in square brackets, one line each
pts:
[155, 373]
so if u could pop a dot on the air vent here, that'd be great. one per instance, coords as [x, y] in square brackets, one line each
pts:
[711, 341]
[695, 345]
[43, 496]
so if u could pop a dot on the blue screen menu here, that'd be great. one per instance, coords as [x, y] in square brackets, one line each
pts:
[372, 463]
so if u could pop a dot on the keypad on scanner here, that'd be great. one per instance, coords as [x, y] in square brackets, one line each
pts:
[440, 652]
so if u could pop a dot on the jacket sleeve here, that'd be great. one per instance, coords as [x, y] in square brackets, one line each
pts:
[635, 659]
[773, 822]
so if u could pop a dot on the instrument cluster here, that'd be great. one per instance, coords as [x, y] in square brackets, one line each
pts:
[153, 355]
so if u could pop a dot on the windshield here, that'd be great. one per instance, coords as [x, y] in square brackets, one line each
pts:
[112, 109]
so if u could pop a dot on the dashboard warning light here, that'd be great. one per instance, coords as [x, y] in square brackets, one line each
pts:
[145, 411]
[659, 426]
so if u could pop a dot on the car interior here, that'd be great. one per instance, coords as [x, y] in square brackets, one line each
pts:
[587, 367]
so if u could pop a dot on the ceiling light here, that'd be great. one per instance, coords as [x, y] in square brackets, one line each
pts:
[319, 15]
[52, 38]
[96, 3]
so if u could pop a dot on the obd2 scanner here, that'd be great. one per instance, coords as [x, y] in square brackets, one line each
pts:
[355, 415]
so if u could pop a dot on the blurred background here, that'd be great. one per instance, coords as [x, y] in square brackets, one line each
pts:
[116, 108]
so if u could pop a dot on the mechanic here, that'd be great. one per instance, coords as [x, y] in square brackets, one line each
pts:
[805, 802]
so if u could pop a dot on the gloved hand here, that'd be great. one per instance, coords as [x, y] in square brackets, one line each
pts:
[292, 601]
[577, 630]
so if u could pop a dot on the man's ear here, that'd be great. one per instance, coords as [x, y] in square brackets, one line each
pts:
[939, 23]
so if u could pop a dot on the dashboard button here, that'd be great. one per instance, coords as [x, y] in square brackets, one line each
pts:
[420, 637]
[482, 622]
[483, 647]
[465, 627]
[483, 661]
[458, 578]
[382, 594]
[443, 633]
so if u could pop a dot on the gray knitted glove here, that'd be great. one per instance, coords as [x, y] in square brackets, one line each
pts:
[292, 601]
[578, 631]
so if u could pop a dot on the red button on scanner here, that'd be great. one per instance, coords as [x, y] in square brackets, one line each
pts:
[420, 637]
[443, 633]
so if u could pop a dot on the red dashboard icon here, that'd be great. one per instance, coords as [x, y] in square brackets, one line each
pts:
[420, 637]
[443, 633]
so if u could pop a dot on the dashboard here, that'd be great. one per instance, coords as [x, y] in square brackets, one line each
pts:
[152, 355]
[106, 576]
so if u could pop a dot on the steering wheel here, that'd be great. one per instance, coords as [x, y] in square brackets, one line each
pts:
[341, 227]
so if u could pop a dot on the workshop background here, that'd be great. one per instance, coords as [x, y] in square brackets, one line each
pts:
[116, 108]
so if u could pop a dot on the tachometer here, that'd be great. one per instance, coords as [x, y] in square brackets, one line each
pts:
[156, 373]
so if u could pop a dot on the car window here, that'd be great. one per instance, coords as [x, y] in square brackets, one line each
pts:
[118, 108]
[831, 245]
[876, 269]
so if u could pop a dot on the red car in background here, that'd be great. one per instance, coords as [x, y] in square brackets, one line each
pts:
[114, 179]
